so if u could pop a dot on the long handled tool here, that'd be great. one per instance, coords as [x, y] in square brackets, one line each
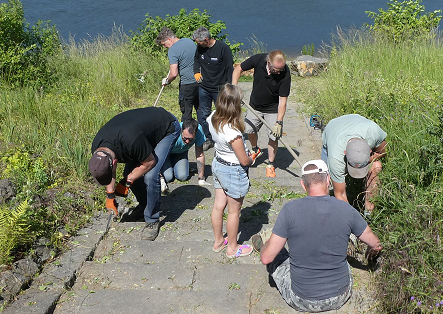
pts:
[161, 90]
[270, 128]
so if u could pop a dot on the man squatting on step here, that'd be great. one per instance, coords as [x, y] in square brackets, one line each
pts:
[142, 139]
[270, 91]
[314, 275]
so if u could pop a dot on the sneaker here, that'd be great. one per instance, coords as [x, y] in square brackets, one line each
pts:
[257, 242]
[150, 231]
[208, 144]
[270, 171]
[163, 185]
[255, 153]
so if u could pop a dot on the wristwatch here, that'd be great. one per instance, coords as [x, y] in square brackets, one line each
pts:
[279, 122]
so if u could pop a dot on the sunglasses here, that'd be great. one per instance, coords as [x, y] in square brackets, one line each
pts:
[274, 69]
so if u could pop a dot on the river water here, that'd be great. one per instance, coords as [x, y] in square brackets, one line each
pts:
[279, 24]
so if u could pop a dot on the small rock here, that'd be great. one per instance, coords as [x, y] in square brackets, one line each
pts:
[7, 190]
[308, 65]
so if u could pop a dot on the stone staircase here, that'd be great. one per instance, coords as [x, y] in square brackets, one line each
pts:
[179, 272]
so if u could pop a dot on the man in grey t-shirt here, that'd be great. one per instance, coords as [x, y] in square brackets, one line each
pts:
[353, 144]
[314, 275]
[181, 62]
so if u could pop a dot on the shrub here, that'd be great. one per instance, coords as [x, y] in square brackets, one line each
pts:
[403, 20]
[24, 49]
[183, 25]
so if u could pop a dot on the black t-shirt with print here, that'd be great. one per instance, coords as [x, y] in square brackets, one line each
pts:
[266, 89]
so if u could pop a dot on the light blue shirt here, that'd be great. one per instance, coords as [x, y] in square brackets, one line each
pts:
[337, 134]
[181, 147]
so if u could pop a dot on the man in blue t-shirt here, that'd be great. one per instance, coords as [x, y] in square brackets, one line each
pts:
[181, 62]
[177, 164]
[314, 275]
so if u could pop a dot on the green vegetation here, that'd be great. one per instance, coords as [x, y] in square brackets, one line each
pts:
[398, 84]
[308, 50]
[183, 25]
[68, 92]
[24, 50]
[404, 20]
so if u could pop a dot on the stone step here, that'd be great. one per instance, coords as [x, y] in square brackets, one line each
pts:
[238, 301]
[135, 251]
[168, 276]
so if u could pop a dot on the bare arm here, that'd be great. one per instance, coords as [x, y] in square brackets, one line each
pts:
[200, 156]
[378, 151]
[340, 191]
[236, 74]
[173, 72]
[239, 150]
[271, 248]
[373, 242]
[142, 168]
[281, 108]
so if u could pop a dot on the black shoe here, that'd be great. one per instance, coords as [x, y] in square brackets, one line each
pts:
[208, 144]
[150, 231]
[137, 214]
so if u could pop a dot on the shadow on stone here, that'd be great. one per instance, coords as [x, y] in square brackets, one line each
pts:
[252, 219]
[182, 198]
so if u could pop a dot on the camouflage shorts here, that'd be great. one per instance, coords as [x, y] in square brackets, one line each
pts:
[281, 273]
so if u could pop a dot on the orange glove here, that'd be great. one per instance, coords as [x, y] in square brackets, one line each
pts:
[111, 203]
[122, 188]
[198, 77]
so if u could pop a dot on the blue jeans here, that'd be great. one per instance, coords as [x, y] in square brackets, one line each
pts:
[205, 108]
[176, 166]
[147, 188]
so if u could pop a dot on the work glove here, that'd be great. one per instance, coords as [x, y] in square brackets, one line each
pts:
[198, 77]
[122, 188]
[165, 81]
[277, 130]
[202, 181]
[111, 203]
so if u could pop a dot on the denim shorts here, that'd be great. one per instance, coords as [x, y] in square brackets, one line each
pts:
[232, 179]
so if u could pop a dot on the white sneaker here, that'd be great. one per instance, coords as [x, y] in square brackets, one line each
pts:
[163, 185]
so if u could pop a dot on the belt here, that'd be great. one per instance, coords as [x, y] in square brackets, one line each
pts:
[226, 163]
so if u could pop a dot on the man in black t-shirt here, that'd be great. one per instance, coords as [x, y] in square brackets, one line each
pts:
[270, 91]
[212, 69]
[142, 139]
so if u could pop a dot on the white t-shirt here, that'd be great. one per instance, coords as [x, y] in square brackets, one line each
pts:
[223, 148]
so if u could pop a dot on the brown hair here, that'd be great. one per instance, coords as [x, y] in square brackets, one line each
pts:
[228, 109]
[164, 34]
[276, 55]
[313, 178]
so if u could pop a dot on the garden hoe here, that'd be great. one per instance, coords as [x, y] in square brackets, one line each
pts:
[270, 128]
[161, 90]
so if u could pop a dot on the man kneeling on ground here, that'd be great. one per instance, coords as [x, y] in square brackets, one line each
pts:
[177, 164]
[314, 275]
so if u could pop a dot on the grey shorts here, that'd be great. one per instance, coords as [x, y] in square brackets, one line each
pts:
[253, 124]
[280, 270]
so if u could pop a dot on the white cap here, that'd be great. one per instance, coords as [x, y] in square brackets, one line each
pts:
[321, 167]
